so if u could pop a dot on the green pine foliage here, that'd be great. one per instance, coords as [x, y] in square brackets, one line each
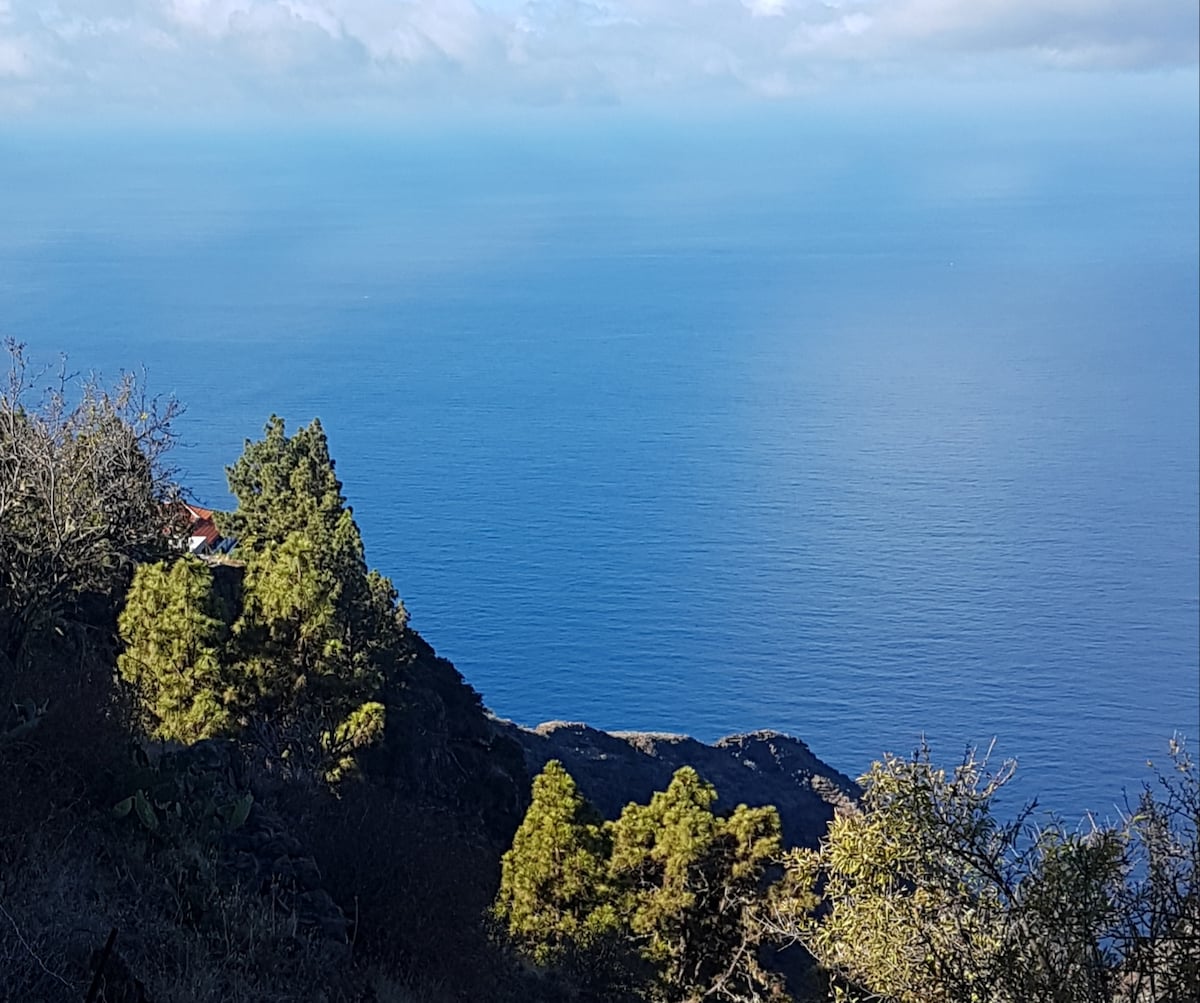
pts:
[305, 649]
[298, 661]
[669, 888]
[553, 884]
[689, 884]
[317, 622]
[176, 659]
[362, 728]
[281, 483]
[316, 629]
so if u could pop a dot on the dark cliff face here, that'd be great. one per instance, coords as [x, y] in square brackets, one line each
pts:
[759, 768]
[440, 747]
[443, 748]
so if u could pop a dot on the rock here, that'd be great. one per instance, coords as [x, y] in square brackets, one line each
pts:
[760, 768]
[316, 908]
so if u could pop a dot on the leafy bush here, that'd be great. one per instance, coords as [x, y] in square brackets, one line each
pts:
[1158, 929]
[926, 896]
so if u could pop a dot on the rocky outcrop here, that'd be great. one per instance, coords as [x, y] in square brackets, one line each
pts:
[444, 748]
[760, 768]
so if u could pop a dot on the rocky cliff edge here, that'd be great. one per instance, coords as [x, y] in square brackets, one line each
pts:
[759, 768]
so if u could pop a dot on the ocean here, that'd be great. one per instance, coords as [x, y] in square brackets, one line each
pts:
[862, 428]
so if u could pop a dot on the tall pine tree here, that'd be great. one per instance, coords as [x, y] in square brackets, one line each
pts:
[315, 627]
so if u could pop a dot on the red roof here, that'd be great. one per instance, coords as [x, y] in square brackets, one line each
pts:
[200, 523]
[206, 528]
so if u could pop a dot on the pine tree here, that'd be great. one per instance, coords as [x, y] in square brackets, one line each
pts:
[689, 883]
[552, 885]
[315, 628]
[175, 631]
[669, 892]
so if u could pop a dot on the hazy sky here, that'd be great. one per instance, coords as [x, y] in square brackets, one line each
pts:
[317, 56]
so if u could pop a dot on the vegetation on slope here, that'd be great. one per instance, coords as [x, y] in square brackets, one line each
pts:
[291, 649]
[255, 868]
[919, 895]
[83, 495]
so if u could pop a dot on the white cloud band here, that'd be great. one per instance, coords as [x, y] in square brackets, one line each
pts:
[206, 53]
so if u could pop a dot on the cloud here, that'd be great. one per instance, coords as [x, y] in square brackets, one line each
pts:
[14, 61]
[1089, 33]
[211, 54]
[766, 8]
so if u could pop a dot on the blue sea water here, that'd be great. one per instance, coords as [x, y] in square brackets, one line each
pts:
[858, 428]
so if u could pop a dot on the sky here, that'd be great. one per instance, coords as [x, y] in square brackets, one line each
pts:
[297, 57]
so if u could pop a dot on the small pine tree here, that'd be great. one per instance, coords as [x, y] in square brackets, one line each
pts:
[689, 884]
[175, 632]
[552, 896]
